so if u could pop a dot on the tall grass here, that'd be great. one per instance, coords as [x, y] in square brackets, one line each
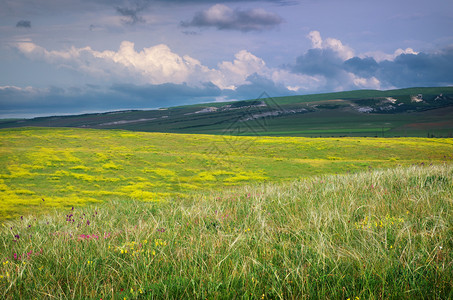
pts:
[372, 235]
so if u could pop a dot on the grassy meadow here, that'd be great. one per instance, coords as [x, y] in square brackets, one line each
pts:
[42, 169]
[97, 214]
[376, 234]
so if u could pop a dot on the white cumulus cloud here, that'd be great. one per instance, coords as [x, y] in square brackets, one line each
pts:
[326, 66]
[153, 65]
[335, 45]
[231, 74]
[160, 65]
[380, 56]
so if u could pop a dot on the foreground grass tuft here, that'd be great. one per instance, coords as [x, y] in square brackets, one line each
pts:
[372, 235]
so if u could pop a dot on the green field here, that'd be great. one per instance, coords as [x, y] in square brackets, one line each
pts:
[371, 235]
[43, 169]
[362, 113]
[114, 214]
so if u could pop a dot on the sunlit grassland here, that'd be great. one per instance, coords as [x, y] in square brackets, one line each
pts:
[42, 169]
[372, 235]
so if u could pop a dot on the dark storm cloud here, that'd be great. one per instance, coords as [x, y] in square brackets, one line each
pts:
[224, 18]
[253, 19]
[53, 99]
[23, 24]
[130, 10]
[171, 93]
[282, 2]
[187, 32]
[16, 101]
[131, 14]
[422, 69]
[324, 62]
[365, 67]
[51, 6]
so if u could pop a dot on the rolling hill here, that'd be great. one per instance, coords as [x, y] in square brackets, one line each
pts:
[422, 112]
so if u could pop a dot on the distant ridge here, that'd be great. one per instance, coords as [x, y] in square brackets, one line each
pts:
[417, 111]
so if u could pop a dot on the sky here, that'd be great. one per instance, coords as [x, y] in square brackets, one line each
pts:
[80, 56]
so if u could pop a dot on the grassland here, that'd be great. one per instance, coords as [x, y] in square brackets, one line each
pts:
[369, 113]
[371, 235]
[43, 169]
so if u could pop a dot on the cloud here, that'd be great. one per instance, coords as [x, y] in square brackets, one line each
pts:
[283, 2]
[337, 67]
[421, 69]
[231, 74]
[23, 24]
[334, 45]
[334, 66]
[381, 56]
[297, 82]
[223, 17]
[189, 32]
[318, 61]
[131, 14]
[171, 93]
[148, 77]
[325, 62]
[319, 69]
[19, 102]
[407, 68]
[130, 10]
[154, 65]
[257, 84]
[365, 67]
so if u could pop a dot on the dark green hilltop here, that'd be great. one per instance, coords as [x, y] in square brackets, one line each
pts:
[416, 112]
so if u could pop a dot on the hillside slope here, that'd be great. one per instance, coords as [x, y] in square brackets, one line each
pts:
[422, 112]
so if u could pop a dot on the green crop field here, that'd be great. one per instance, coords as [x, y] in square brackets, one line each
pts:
[42, 169]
